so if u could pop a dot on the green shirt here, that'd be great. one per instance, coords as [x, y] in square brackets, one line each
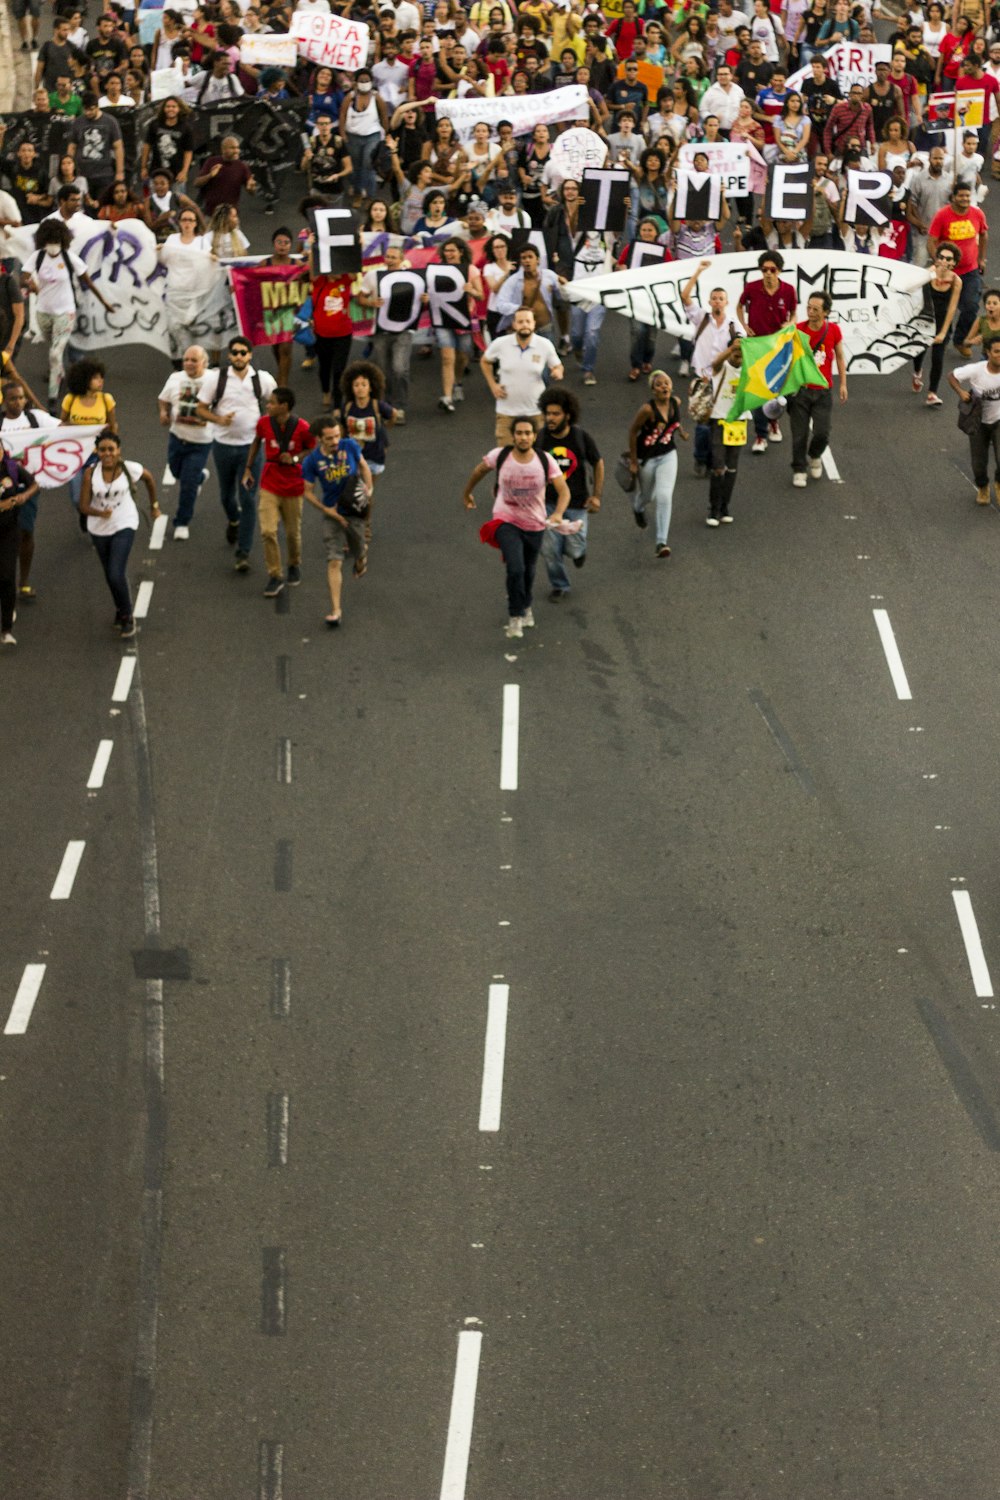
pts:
[70, 108]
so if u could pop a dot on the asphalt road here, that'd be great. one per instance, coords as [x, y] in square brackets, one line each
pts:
[735, 1234]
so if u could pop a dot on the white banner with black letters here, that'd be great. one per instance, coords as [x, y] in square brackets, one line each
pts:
[878, 303]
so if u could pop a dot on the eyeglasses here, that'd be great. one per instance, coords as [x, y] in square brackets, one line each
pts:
[239, 354]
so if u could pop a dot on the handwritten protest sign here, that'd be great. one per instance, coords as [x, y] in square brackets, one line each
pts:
[52, 455]
[331, 41]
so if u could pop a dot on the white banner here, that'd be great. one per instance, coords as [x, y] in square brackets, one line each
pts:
[576, 150]
[122, 261]
[52, 455]
[524, 111]
[726, 159]
[167, 83]
[269, 49]
[849, 63]
[878, 303]
[330, 41]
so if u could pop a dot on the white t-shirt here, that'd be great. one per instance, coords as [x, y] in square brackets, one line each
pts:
[123, 102]
[116, 497]
[978, 378]
[730, 378]
[8, 210]
[391, 80]
[492, 276]
[709, 344]
[183, 392]
[21, 423]
[521, 371]
[239, 398]
[55, 289]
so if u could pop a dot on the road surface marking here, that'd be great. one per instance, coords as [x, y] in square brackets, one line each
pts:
[63, 888]
[277, 1130]
[270, 1471]
[24, 1000]
[284, 763]
[508, 737]
[98, 770]
[142, 599]
[830, 465]
[892, 655]
[158, 532]
[973, 945]
[274, 1287]
[463, 1406]
[281, 987]
[120, 691]
[496, 1044]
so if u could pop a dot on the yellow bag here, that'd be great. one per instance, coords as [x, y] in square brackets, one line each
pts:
[734, 434]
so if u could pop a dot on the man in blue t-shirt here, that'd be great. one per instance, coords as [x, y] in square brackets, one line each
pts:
[334, 468]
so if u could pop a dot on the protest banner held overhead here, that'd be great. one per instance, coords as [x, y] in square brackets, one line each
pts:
[330, 40]
[524, 111]
[267, 299]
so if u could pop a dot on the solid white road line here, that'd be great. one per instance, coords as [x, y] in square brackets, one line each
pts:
[123, 681]
[463, 1406]
[142, 599]
[892, 655]
[973, 945]
[496, 1043]
[158, 532]
[508, 738]
[99, 769]
[63, 888]
[24, 1000]
[830, 466]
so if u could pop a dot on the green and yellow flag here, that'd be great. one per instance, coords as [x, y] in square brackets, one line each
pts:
[775, 364]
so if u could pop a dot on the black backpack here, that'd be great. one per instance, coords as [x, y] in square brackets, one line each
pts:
[221, 388]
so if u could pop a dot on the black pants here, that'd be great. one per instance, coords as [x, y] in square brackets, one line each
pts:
[985, 437]
[725, 461]
[10, 542]
[809, 405]
[333, 356]
[937, 364]
[520, 552]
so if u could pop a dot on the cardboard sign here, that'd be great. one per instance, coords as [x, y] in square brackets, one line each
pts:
[603, 192]
[336, 247]
[789, 191]
[727, 160]
[576, 150]
[266, 49]
[402, 294]
[331, 41]
[698, 196]
[867, 199]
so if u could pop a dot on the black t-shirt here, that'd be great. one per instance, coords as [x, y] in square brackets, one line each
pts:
[24, 180]
[752, 78]
[55, 62]
[327, 160]
[816, 106]
[167, 145]
[11, 485]
[10, 294]
[106, 56]
[572, 452]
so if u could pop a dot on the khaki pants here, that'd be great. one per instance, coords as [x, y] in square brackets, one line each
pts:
[504, 430]
[270, 509]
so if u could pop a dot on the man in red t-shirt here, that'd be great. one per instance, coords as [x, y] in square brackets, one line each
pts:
[765, 307]
[814, 403]
[960, 224]
[285, 438]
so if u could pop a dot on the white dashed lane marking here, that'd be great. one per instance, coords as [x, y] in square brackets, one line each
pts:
[99, 769]
[63, 888]
[24, 1000]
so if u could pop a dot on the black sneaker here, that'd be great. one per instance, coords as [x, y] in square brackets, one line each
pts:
[556, 596]
[128, 630]
[640, 519]
[294, 575]
[578, 562]
[242, 562]
[232, 532]
[273, 587]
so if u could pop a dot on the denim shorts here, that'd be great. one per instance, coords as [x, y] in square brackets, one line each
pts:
[449, 338]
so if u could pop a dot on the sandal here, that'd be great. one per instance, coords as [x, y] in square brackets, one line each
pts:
[633, 374]
[333, 621]
[27, 593]
[361, 567]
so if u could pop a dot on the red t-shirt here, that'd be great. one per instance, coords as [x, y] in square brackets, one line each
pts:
[823, 342]
[766, 313]
[279, 478]
[909, 89]
[331, 299]
[624, 34]
[962, 231]
[986, 85]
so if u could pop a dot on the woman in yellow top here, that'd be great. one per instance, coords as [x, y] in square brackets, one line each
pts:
[87, 404]
[540, 10]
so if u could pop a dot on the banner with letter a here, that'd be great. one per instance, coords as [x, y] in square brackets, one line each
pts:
[267, 299]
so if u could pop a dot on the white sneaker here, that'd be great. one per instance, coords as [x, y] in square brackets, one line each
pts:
[528, 619]
[181, 533]
[168, 479]
[712, 521]
[774, 432]
[457, 393]
[759, 445]
[7, 639]
[515, 628]
[816, 468]
[204, 476]
[800, 480]
[684, 368]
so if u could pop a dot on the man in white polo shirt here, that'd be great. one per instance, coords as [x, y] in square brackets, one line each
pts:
[713, 329]
[233, 398]
[515, 366]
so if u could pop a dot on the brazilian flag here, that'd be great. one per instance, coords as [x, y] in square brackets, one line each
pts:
[775, 364]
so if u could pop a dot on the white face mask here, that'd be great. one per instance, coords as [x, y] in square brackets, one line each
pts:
[364, 88]
[52, 250]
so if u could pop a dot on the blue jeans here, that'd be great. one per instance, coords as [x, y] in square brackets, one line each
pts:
[520, 551]
[585, 330]
[642, 344]
[657, 477]
[968, 305]
[556, 547]
[362, 149]
[186, 462]
[703, 443]
[239, 503]
[113, 551]
[760, 422]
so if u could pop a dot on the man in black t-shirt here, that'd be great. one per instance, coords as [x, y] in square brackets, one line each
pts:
[819, 94]
[54, 56]
[16, 489]
[753, 73]
[579, 458]
[23, 175]
[106, 51]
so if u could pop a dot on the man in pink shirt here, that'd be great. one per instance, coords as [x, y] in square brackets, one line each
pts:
[519, 514]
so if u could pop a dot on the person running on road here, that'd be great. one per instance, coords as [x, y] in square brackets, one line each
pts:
[232, 399]
[983, 380]
[515, 366]
[652, 456]
[728, 438]
[335, 466]
[812, 405]
[53, 274]
[17, 489]
[945, 289]
[108, 501]
[21, 412]
[577, 455]
[284, 439]
[765, 307]
[519, 512]
[189, 440]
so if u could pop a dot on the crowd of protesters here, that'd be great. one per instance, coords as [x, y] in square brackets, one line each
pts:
[497, 205]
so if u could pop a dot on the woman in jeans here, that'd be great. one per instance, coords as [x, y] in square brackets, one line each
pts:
[363, 124]
[108, 502]
[652, 456]
[55, 275]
